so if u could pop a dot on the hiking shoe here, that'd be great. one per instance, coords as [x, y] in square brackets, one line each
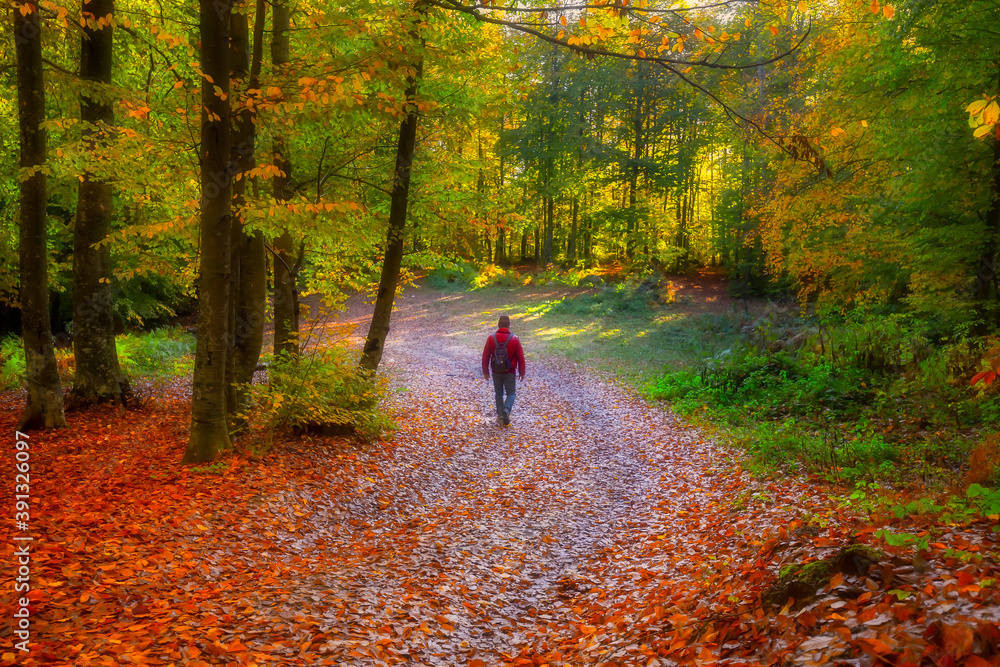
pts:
[506, 418]
[500, 420]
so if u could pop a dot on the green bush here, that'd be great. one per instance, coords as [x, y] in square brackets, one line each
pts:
[452, 275]
[11, 363]
[168, 351]
[325, 388]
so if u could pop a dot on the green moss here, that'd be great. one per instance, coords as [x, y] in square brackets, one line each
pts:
[863, 551]
[815, 574]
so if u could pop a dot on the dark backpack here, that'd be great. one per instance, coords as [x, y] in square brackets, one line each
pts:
[501, 362]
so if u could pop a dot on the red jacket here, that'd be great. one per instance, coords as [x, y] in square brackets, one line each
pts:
[514, 351]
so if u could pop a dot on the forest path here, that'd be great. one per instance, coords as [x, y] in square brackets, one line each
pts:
[472, 542]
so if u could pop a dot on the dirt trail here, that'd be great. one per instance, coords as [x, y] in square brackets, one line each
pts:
[471, 536]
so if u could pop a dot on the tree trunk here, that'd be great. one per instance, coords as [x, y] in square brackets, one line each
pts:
[524, 246]
[571, 248]
[44, 407]
[209, 426]
[98, 376]
[537, 247]
[249, 284]
[286, 294]
[550, 208]
[378, 331]
[501, 254]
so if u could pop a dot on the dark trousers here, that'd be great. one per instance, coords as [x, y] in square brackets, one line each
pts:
[504, 382]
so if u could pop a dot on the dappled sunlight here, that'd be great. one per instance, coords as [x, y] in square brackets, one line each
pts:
[550, 333]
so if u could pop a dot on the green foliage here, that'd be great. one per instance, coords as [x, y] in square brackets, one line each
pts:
[877, 400]
[168, 351]
[632, 297]
[497, 276]
[11, 363]
[321, 389]
[148, 300]
[452, 275]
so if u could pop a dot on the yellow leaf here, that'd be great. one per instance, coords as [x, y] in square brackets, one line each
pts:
[982, 131]
[583, 21]
[736, 36]
[991, 113]
[875, 7]
[803, 6]
[888, 11]
[976, 107]
[774, 30]
[864, 123]
[562, 20]
[698, 33]
[562, 33]
[747, 23]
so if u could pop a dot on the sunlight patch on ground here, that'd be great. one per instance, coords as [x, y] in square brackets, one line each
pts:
[670, 317]
[610, 333]
[542, 309]
[558, 332]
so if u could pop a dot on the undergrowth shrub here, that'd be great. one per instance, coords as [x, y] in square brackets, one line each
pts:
[11, 363]
[452, 275]
[321, 389]
[495, 275]
[167, 351]
[984, 462]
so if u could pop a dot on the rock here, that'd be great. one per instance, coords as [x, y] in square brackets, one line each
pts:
[856, 559]
[800, 581]
[590, 281]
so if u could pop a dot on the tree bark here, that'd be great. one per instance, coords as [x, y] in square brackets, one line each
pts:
[44, 407]
[550, 210]
[286, 294]
[571, 248]
[378, 331]
[98, 377]
[249, 302]
[209, 425]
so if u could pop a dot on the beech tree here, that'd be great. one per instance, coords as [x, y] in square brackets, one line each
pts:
[98, 375]
[44, 407]
[209, 424]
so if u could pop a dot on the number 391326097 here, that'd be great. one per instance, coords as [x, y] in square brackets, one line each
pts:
[22, 479]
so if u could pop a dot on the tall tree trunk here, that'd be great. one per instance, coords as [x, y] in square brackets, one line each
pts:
[571, 248]
[249, 272]
[98, 377]
[378, 330]
[286, 293]
[537, 247]
[209, 426]
[524, 246]
[550, 209]
[44, 407]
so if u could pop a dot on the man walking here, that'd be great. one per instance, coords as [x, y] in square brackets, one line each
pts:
[503, 355]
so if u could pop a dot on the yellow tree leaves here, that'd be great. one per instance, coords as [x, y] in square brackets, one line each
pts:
[983, 116]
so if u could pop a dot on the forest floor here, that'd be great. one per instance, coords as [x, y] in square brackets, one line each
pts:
[596, 530]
